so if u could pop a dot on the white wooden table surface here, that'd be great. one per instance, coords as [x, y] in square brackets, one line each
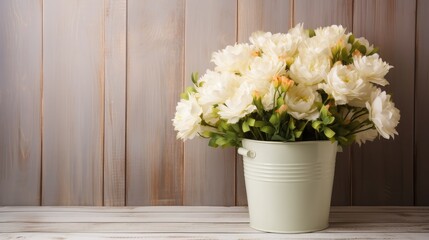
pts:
[201, 223]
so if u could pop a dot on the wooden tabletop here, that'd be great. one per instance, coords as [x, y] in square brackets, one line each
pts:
[201, 223]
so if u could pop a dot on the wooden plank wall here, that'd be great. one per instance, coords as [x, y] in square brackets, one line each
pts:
[88, 90]
[20, 102]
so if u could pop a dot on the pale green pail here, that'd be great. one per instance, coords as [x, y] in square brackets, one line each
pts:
[289, 185]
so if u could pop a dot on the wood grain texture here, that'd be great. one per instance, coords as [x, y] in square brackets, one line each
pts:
[314, 14]
[258, 15]
[20, 101]
[383, 170]
[73, 102]
[421, 132]
[114, 102]
[201, 223]
[155, 70]
[209, 177]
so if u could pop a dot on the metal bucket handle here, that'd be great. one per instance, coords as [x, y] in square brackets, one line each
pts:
[246, 153]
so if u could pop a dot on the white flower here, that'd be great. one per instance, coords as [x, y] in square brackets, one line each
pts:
[239, 105]
[372, 68]
[368, 135]
[268, 99]
[187, 120]
[310, 69]
[345, 86]
[259, 39]
[383, 113]
[301, 102]
[298, 32]
[210, 115]
[332, 35]
[262, 71]
[363, 41]
[216, 87]
[234, 59]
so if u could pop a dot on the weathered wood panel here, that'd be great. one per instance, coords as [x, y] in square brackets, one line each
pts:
[73, 102]
[258, 15]
[383, 170]
[421, 132]
[155, 72]
[314, 14]
[209, 177]
[201, 223]
[114, 102]
[20, 101]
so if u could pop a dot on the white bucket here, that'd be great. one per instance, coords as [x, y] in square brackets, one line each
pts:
[289, 185]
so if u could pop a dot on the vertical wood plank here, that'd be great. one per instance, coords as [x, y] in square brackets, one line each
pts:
[155, 70]
[20, 101]
[209, 177]
[73, 102]
[114, 102]
[383, 170]
[269, 16]
[314, 14]
[421, 133]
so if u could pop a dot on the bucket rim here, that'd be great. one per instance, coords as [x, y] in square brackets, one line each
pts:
[290, 143]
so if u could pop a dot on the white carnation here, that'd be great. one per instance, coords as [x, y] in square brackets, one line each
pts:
[383, 113]
[346, 87]
[262, 71]
[187, 120]
[281, 46]
[368, 135]
[332, 35]
[301, 102]
[216, 87]
[238, 105]
[372, 68]
[310, 69]
[259, 39]
[234, 59]
[298, 32]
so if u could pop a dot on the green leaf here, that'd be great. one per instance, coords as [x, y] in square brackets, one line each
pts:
[235, 127]
[258, 103]
[328, 120]
[207, 134]
[268, 129]
[280, 101]
[184, 96]
[221, 141]
[297, 133]
[311, 33]
[351, 39]
[259, 124]
[194, 77]
[328, 132]
[274, 119]
[251, 122]
[212, 142]
[245, 127]
[316, 125]
[291, 124]
[277, 137]
[362, 49]
[344, 54]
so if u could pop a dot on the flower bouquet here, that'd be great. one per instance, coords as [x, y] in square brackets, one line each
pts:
[305, 85]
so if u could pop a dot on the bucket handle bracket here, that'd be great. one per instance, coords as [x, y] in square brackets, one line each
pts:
[246, 153]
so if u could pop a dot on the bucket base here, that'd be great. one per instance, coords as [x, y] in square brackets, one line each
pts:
[289, 231]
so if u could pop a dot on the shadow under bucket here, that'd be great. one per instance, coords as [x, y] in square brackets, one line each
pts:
[289, 184]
